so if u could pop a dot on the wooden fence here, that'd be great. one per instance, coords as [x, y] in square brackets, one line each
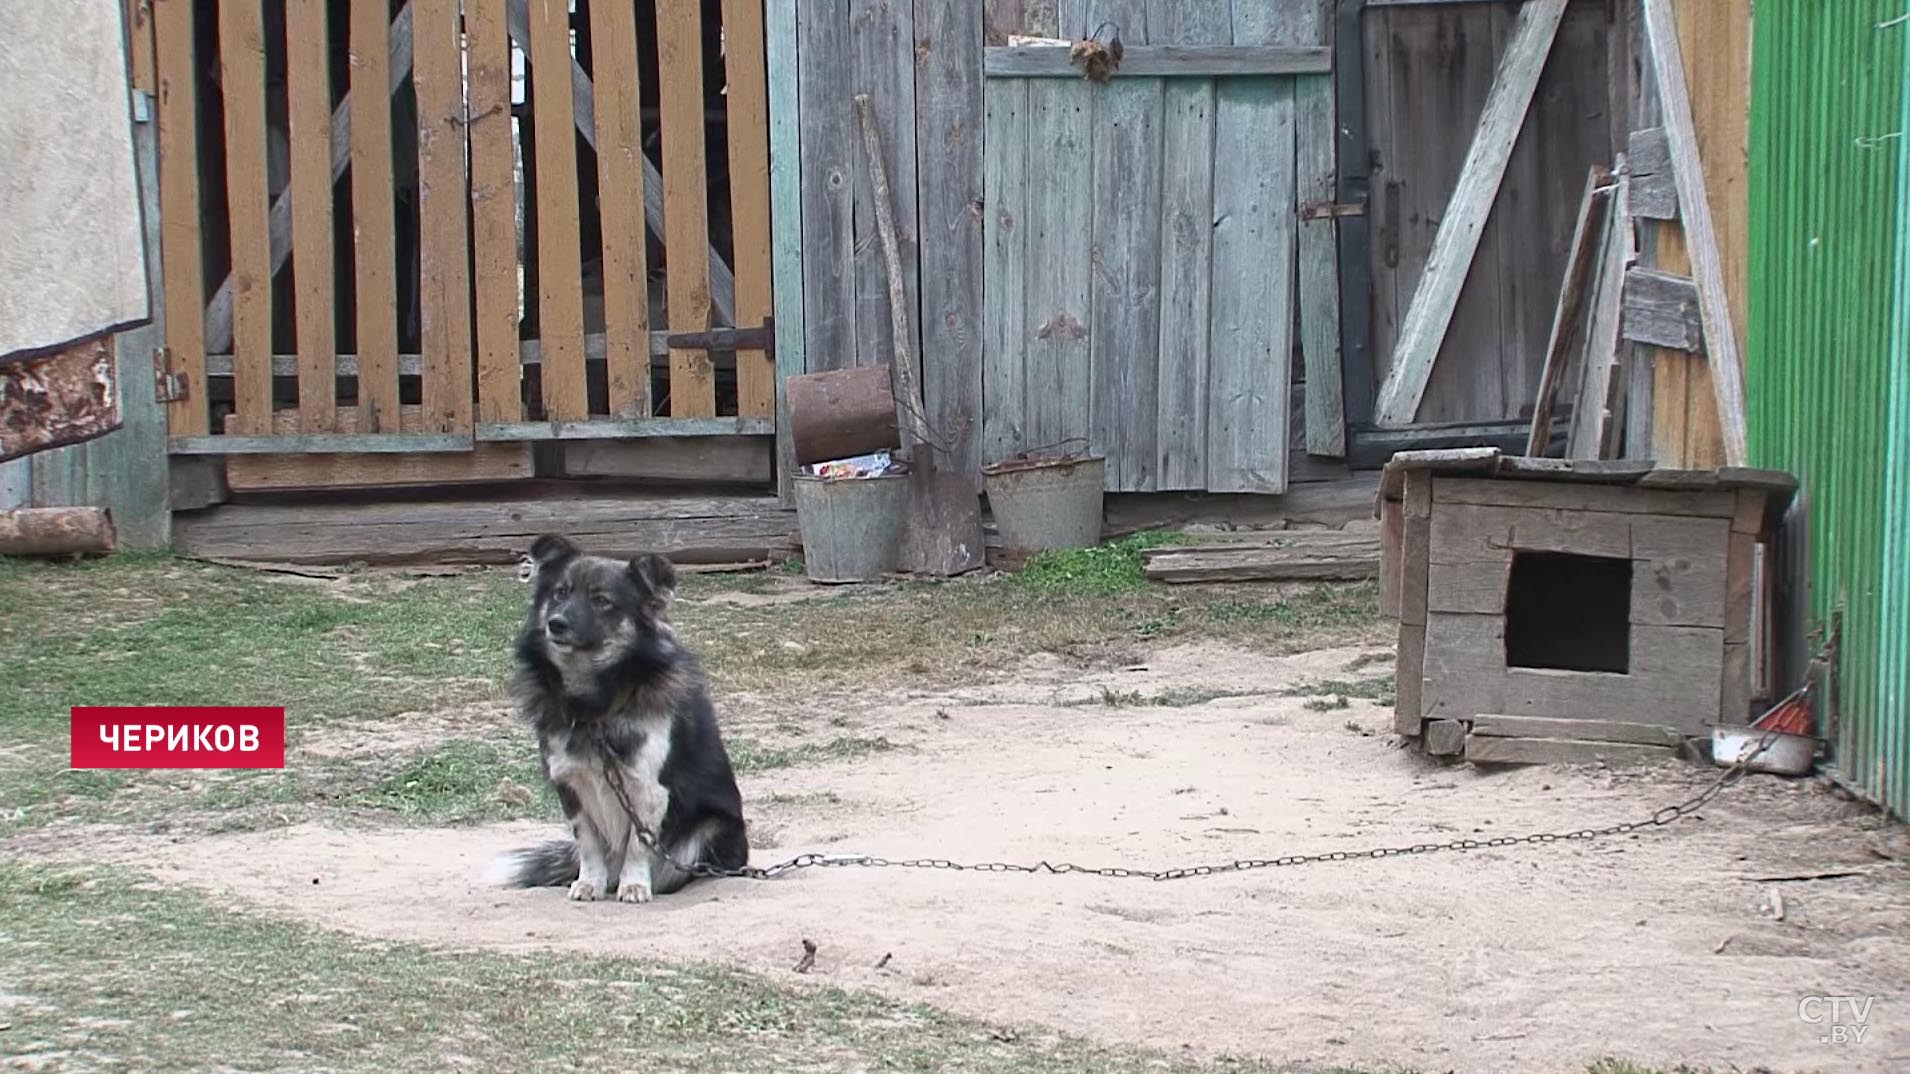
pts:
[375, 237]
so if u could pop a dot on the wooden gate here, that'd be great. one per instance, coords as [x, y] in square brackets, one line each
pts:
[379, 218]
[1154, 244]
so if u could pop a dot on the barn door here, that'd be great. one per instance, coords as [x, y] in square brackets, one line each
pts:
[1142, 239]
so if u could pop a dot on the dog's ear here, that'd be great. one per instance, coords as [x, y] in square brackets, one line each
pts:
[551, 550]
[655, 576]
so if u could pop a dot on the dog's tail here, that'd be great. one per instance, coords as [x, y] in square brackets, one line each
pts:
[548, 864]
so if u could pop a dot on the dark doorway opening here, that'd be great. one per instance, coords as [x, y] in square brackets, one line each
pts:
[1568, 613]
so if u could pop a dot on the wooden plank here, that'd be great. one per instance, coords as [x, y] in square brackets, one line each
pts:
[1392, 525]
[1475, 587]
[373, 222]
[1592, 417]
[1004, 267]
[1409, 672]
[703, 460]
[309, 94]
[1162, 61]
[1317, 290]
[1251, 336]
[786, 219]
[829, 155]
[1187, 245]
[1643, 734]
[1580, 263]
[881, 40]
[500, 393]
[1431, 309]
[1491, 534]
[1445, 738]
[1662, 310]
[747, 92]
[1124, 311]
[950, 200]
[1326, 554]
[218, 313]
[1654, 193]
[1739, 587]
[1416, 558]
[560, 313]
[613, 52]
[1059, 219]
[1679, 575]
[179, 214]
[1752, 505]
[1482, 749]
[1673, 678]
[619, 428]
[1583, 497]
[444, 267]
[1594, 471]
[1725, 365]
[320, 444]
[1734, 695]
[242, 76]
[139, 37]
[486, 462]
[687, 529]
[686, 203]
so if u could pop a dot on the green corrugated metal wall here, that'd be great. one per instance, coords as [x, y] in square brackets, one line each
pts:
[1828, 373]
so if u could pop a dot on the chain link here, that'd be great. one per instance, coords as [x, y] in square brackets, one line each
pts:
[1664, 817]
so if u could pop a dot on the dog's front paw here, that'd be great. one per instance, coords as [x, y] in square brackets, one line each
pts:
[583, 891]
[633, 891]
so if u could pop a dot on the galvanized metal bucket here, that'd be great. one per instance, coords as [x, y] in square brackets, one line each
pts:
[851, 526]
[1047, 503]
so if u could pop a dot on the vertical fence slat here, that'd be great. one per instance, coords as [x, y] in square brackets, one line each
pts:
[613, 51]
[444, 273]
[685, 202]
[308, 60]
[829, 153]
[1005, 169]
[881, 54]
[178, 73]
[372, 218]
[560, 313]
[242, 74]
[748, 83]
[786, 175]
[500, 393]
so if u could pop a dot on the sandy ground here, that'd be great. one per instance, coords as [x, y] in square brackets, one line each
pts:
[1662, 947]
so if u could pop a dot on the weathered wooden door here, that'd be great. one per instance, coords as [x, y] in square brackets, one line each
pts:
[1143, 259]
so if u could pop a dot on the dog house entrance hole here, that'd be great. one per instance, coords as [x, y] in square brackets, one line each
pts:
[1566, 612]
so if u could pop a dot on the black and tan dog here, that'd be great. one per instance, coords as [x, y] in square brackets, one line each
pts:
[603, 680]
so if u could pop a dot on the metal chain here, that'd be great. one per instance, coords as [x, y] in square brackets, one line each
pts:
[1668, 815]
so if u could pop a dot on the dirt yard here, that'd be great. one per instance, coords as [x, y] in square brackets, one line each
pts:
[1096, 721]
[1546, 958]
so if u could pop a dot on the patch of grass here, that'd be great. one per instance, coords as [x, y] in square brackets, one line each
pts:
[1328, 704]
[748, 755]
[1178, 697]
[1114, 567]
[464, 782]
[1381, 690]
[114, 974]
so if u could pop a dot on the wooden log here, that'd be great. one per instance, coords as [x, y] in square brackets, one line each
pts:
[1644, 734]
[1302, 555]
[1445, 738]
[840, 413]
[56, 531]
[1484, 749]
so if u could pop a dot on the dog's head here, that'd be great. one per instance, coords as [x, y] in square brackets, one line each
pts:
[592, 612]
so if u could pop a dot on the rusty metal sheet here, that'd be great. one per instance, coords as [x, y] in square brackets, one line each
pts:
[58, 399]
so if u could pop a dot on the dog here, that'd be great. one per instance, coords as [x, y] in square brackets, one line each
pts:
[603, 680]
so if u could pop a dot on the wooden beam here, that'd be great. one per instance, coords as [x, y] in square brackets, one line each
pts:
[1323, 555]
[1701, 237]
[611, 428]
[335, 443]
[1662, 310]
[1457, 239]
[1162, 61]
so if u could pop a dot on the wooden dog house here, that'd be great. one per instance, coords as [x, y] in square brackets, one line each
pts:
[1560, 610]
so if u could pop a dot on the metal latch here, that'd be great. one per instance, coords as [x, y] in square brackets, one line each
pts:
[1332, 210]
[168, 386]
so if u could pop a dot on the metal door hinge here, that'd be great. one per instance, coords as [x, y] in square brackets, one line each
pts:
[168, 386]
